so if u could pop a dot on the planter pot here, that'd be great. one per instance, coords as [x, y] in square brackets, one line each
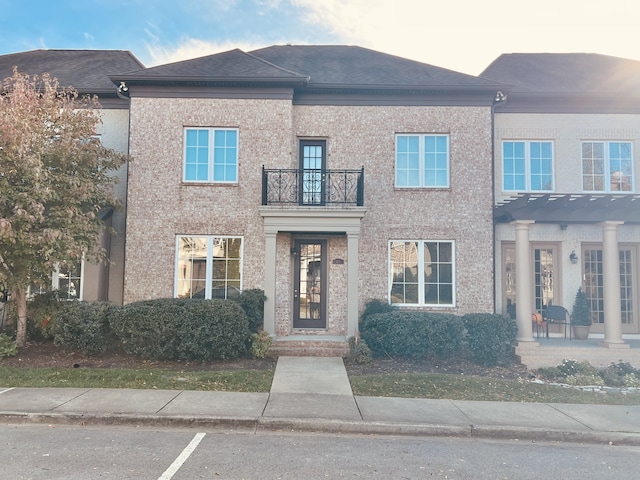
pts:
[581, 332]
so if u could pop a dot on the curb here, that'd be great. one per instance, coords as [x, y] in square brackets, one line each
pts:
[273, 424]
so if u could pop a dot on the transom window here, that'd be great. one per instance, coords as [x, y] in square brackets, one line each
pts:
[607, 167]
[422, 161]
[527, 166]
[211, 155]
[208, 267]
[421, 273]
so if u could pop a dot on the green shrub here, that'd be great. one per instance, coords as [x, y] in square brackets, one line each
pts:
[252, 302]
[260, 344]
[412, 334]
[375, 306]
[212, 329]
[620, 374]
[83, 326]
[43, 319]
[8, 346]
[359, 351]
[172, 328]
[490, 338]
[149, 329]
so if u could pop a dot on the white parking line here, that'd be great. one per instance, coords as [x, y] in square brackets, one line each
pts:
[178, 462]
[6, 390]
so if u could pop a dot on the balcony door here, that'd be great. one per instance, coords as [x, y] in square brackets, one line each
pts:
[309, 285]
[312, 171]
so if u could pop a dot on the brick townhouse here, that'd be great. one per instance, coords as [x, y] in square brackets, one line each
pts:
[324, 175]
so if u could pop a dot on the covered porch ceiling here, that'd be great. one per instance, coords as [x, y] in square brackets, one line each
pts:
[569, 208]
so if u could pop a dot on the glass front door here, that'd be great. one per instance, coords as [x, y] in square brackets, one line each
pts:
[309, 289]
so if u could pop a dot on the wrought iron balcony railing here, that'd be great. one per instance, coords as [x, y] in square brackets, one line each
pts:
[310, 187]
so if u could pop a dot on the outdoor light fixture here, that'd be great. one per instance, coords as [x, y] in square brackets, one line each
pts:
[573, 257]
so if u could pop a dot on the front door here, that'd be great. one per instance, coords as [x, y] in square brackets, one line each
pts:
[309, 288]
[312, 172]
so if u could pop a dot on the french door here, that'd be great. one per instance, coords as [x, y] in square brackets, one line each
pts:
[309, 284]
[594, 286]
[312, 181]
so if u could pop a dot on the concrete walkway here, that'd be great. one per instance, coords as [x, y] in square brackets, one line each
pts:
[313, 394]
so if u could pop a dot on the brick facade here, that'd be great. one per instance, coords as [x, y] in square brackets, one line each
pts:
[161, 206]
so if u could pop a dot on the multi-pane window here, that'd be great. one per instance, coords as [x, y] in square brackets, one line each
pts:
[527, 166]
[421, 273]
[68, 282]
[607, 167]
[211, 155]
[208, 267]
[422, 161]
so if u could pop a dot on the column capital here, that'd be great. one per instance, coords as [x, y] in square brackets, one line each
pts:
[611, 223]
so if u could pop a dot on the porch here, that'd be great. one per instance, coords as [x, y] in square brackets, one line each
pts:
[549, 352]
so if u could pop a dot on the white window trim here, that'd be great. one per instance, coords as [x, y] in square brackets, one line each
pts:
[527, 166]
[209, 271]
[607, 167]
[55, 280]
[421, 273]
[210, 159]
[421, 151]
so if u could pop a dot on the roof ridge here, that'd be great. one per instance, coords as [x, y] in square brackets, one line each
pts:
[266, 62]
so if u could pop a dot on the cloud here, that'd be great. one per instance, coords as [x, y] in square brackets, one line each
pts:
[193, 48]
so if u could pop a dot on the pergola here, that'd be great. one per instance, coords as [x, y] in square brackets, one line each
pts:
[569, 208]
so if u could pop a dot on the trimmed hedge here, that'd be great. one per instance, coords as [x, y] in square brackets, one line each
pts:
[252, 302]
[190, 329]
[83, 326]
[412, 334]
[486, 339]
[490, 338]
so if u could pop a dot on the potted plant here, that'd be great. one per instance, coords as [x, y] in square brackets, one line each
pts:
[581, 316]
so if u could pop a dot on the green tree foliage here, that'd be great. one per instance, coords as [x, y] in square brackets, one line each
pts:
[55, 178]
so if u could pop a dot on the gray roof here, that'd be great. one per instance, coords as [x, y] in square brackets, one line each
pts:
[566, 73]
[86, 70]
[317, 66]
[234, 65]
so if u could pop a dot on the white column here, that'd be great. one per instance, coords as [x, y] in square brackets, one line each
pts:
[270, 282]
[353, 261]
[611, 286]
[524, 300]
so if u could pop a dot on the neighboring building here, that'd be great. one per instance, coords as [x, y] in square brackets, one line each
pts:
[566, 189]
[324, 175]
[87, 71]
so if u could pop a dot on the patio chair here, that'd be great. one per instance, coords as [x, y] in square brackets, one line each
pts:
[557, 315]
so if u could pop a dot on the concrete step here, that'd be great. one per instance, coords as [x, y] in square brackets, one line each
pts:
[309, 346]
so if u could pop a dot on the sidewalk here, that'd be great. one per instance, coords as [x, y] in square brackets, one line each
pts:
[314, 395]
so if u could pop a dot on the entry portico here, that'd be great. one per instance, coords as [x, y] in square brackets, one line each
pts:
[310, 222]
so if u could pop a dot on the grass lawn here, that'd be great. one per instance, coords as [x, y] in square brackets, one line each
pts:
[417, 385]
[461, 387]
[231, 381]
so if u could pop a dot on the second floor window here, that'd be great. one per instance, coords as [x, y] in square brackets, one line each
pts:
[607, 167]
[527, 166]
[211, 155]
[422, 161]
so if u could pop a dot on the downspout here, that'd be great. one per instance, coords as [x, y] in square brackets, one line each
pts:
[499, 99]
[123, 92]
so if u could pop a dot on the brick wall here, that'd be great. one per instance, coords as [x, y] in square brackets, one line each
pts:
[161, 206]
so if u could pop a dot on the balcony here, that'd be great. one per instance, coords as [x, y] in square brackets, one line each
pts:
[310, 187]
